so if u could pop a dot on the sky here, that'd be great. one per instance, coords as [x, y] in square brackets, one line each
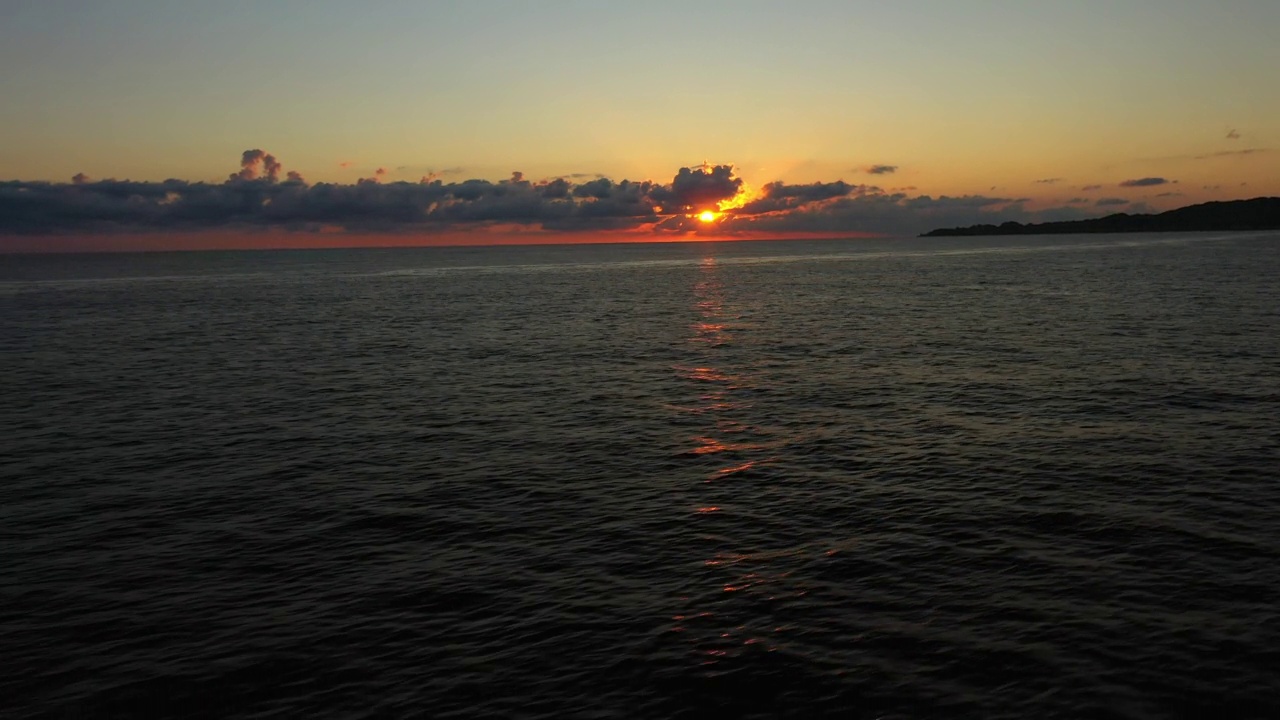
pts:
[831, 116]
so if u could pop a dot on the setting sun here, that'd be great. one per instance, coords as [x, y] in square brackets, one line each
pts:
[707, 216]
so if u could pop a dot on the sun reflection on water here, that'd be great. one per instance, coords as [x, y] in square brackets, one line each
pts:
[733, 453]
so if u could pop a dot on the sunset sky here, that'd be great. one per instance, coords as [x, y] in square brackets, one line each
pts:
[928, 112]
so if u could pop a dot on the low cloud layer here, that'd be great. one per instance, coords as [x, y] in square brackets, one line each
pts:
[262, 194]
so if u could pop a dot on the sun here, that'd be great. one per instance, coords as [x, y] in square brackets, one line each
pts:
[707, 216]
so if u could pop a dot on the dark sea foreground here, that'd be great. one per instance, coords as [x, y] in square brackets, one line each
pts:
[958, 478]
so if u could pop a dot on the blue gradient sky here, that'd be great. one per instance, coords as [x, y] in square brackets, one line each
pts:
[964, 97]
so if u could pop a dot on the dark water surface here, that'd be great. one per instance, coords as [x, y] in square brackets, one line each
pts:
[989, 478]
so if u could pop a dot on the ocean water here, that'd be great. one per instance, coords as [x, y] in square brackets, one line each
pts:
[1032, 477]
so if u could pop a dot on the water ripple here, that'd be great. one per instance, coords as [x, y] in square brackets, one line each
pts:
[979, 478]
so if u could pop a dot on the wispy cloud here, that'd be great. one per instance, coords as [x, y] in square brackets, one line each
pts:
[430, 170]
[1234, 153]
[1048, 181]
[1104, 202]
[881, 169]
[1233, 135]
[1204, 156]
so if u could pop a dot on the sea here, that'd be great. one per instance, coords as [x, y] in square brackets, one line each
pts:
[1003, 477]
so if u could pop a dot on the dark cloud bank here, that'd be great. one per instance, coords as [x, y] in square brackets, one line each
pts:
[261, 194]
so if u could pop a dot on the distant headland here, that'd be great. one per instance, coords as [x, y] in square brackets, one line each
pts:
[1256, 214]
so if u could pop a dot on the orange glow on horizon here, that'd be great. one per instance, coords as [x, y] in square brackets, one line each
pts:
[289, 240]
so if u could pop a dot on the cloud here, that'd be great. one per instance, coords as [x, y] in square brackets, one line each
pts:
[1233, 135]
[1087, 188]
[1048, 181]
[1144, 182]
[881, 169]
[1105, 202]
[1233, 153]
[255, 197]
[1169, 194]
[597, 189]
[556, 189]
[255, 162]
[430, 170]
[1079, 201]
[704, 187]
[779, 196]
[868, 209]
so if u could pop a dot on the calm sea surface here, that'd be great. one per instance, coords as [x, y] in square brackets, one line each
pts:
[956, 478]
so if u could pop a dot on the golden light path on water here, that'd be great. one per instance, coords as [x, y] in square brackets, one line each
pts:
[738, 574]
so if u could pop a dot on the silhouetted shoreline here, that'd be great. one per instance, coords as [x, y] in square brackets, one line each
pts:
[1256, 214]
